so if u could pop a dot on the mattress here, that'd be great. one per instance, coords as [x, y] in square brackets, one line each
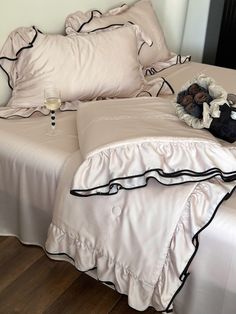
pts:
[31, 165]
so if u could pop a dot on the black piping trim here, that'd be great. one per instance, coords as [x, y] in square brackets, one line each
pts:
[60, 254]
[210, 173]
[32, 113]
[89, 20]
[8, 77]
[184, 61]
[108, 26]
[144, 91]
[102, 281]
[170, 87]
[185, 273]
[158, 93]
[105, 27]
[152, 70]
[195, 239]
[163, 83]
[30, 45]
[141, 46]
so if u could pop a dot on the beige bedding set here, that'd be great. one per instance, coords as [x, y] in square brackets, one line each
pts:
[124, 172]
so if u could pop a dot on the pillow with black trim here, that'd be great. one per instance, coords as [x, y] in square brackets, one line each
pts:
[83, 67]
[140, 13]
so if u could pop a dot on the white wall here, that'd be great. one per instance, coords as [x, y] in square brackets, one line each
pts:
[172, 15]
[49, 15]
[195, 29]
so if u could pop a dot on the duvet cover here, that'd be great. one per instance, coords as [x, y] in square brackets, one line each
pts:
[142, 188]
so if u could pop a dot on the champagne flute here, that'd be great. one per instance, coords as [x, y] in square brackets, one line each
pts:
[52, 101]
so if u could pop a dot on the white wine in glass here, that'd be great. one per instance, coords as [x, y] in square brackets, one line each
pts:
[52, 101]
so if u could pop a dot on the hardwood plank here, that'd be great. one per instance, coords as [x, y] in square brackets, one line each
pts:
[15, 258]
[31, 283]
[123, 307]
[85, 296]
[2, 238]
[39, 286]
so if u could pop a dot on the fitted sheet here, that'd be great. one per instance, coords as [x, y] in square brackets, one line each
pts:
[30, 165]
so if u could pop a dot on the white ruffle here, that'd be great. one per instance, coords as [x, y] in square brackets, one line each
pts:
[19, 38]
[159, 290]
[76, 19]
[8, 112]
[85, 257]
[165, 64]
[129, 165]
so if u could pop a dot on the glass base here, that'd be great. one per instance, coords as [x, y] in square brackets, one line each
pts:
[54, 132]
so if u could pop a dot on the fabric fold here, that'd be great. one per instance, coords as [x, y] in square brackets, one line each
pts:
[164, 270]
[148, 141]
[119, 139]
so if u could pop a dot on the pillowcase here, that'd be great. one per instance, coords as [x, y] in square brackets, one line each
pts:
[141, 13]
[83, 67]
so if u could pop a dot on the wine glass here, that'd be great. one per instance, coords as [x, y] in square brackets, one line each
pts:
[52, 101]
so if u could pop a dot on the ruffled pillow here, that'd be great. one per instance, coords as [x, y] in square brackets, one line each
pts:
[141, 13]
[83, 67]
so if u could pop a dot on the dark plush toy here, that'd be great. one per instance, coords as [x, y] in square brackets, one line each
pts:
[202, 97]
[195, 88]
[186, 100]
[195, 110]
[192, 100]
[224, 127]
[181, 95]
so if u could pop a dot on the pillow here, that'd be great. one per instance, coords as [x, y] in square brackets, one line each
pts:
[83, 67]
[141, 13]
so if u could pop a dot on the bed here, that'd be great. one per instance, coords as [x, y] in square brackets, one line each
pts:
[38, 199]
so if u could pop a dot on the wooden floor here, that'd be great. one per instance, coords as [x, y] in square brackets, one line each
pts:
[31, 283]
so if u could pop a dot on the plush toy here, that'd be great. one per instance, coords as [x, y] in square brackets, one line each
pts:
[193, 98]
[203, 104]
[224, 127]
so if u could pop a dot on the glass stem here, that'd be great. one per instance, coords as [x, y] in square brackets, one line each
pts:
[53, 119]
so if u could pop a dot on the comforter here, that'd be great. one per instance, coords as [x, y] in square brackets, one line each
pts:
[142, 188]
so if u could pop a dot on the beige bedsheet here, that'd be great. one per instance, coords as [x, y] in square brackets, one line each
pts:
[30, 165]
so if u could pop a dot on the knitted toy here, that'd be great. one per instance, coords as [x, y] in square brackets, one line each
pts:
[203, 104]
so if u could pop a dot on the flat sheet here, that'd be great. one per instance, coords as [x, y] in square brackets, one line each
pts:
[30, 165]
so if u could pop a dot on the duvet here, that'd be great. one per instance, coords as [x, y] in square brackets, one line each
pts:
[132, 202]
